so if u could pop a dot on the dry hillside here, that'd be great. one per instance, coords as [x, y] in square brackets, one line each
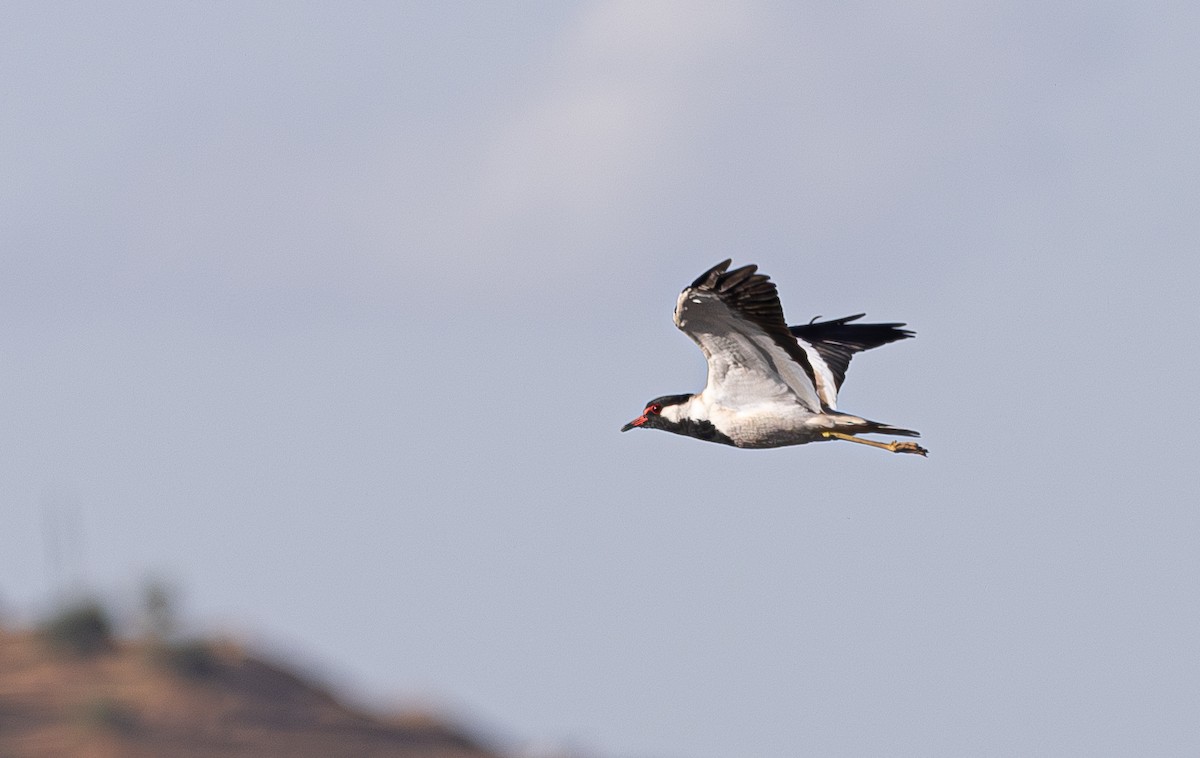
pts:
[133, 699]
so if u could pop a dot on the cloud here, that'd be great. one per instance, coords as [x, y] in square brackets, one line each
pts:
[347, 161]
[620, 86]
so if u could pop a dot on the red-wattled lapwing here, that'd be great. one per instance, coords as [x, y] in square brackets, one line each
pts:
[769, 384]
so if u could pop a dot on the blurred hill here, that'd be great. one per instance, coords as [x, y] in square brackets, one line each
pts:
[72, 689]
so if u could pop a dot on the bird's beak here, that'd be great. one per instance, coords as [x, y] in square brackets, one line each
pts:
[636, 422]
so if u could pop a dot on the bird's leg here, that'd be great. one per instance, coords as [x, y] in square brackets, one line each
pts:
[894, 446]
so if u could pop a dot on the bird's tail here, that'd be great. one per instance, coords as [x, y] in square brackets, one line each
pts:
[885, 429]
[848, 424]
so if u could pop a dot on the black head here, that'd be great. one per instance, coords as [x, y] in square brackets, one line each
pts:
[651, 418]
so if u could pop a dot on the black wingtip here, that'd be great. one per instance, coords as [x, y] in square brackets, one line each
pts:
[839, 339]
[752, 296]
[736, 277]
[709, 278]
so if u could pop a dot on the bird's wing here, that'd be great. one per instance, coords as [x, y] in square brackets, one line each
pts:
[836, 341]
[735, 318]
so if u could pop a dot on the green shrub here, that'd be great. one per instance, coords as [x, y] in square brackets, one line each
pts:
[81, 629]
[192, 659]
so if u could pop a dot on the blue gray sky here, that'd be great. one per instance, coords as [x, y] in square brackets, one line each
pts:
[330, 314]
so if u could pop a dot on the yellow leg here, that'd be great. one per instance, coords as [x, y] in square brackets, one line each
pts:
[893, 446]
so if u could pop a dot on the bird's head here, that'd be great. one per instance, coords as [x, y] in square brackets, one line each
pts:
[652, 417]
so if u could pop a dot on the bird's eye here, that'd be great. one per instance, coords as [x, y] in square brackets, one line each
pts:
[656, 408]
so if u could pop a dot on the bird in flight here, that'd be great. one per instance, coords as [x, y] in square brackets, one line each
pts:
[769, 384]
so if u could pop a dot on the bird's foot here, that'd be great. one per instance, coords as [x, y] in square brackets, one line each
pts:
[894, 446]
[907, 447]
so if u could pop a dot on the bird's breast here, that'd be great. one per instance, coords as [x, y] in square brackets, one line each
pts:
[774, 425]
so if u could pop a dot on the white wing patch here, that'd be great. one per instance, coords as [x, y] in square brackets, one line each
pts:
[826, 384]
[745, 366]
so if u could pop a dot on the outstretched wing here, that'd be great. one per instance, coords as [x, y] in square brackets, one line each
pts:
[736, 319]
[837, 341]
